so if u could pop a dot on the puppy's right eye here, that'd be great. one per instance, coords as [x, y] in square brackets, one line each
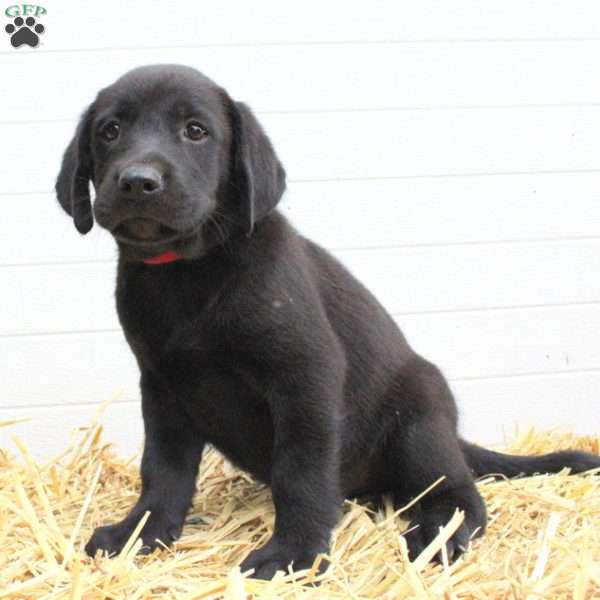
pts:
[110, 131]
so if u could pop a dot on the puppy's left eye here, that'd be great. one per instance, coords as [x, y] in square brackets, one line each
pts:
[195, 131]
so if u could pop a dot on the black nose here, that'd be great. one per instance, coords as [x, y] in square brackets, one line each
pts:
[140, 181]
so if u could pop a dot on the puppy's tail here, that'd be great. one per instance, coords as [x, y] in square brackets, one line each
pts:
[487, 462]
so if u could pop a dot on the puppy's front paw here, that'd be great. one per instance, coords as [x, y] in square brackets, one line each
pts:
[112, 538]
[275, 556]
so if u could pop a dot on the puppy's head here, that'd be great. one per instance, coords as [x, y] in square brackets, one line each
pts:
[177, 166]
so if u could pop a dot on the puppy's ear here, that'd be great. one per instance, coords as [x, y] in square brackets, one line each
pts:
[258, 176]
[73, 181]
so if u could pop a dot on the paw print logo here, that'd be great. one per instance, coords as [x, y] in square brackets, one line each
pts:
[24, 32]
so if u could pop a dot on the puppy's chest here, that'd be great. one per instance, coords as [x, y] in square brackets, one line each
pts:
[172, 343]
[164, 316]
[222, 395]
[188, 339]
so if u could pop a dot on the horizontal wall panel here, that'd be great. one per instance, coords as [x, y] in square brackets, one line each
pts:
[189, 23]
[79, 297]
[507, 342]
[454, 210]
[489, 410]
[81, 368]
[469, 277]
[370, 144]
[53, 238]
[58, 298]
[67, 369]
[492, 409]
[294, 78]
[50, 430]
[359, 214]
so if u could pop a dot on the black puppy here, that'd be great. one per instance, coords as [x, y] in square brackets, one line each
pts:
[254, 339]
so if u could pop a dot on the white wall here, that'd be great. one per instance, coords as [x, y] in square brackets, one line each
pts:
[447, 152]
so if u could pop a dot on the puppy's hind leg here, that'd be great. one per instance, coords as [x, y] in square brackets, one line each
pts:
[423, 450]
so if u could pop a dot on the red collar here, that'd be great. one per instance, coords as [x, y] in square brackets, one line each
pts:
[162, 259]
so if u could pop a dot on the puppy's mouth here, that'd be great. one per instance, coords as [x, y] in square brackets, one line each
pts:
[144, 231]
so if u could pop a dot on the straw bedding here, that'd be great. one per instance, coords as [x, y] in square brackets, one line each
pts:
[543, 538]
